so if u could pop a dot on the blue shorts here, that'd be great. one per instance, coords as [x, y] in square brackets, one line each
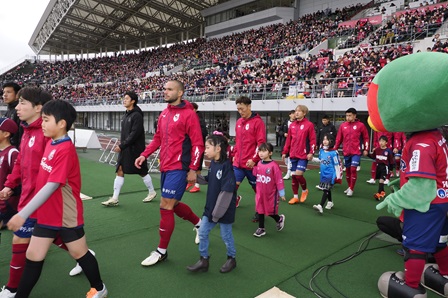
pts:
[173, 184]
[241, 173]
[26, 231]
[426, 231]
[298, 164]
[352, 160]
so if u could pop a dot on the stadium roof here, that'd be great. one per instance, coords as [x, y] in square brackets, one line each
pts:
[94, 26]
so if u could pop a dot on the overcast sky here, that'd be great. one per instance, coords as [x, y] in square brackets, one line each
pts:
[18, 19]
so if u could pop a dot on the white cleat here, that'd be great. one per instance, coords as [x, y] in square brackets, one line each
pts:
[151, 195]
[349, 192]
[329, 205]
[5, 293]
[318, 208]
[371, 181]
[111, 202]
[386, 182]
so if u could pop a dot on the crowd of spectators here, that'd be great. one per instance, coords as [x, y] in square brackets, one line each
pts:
[252, 61]
[410, 24]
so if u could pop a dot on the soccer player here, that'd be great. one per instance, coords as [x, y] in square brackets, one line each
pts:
[384, 162]
[57, 203]
[352, 134]
[376, 144]
[180, 140]
[300, 145]
[250, 133]
[132, 143]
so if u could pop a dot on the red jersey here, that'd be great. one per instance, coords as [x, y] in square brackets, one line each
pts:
[249, 135]
[353, 136]
[27, 165]
[426, 156]
[179, 137]
[269, 183]
[60, 164]
[301, 139]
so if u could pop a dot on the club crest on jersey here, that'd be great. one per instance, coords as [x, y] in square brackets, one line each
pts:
[441, 193]
[1, 161]
[268, 171]
[219, 174]
[247, 126]
[302, 126]
[31, 141]
[176, 117]
[51, 155]
[354, 127]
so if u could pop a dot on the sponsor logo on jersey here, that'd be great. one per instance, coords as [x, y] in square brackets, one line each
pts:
[442, 193]
[415, 161]
[45, 166]
[422, 144]
[219, 174]
[263, 179]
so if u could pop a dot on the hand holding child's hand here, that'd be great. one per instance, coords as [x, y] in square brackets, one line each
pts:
[5, 193]
[283, 198]
[15, 222]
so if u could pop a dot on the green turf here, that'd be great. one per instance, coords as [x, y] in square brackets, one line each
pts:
[123, 236]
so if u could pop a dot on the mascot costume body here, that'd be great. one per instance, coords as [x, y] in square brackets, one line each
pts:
[411, 94]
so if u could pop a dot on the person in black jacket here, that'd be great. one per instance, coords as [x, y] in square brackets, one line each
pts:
[326, 128]
[11, 98]
[204, 131]
[132, 144]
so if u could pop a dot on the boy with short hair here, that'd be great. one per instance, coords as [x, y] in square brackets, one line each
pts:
[384, 159]
[57, 203]
[8, 156]
[25, 173]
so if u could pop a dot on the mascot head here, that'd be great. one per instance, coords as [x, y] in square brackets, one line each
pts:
[410, 94]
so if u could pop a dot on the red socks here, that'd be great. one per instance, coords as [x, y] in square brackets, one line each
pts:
[295, 184]
[302, 181]
[348, 176]
[17, 265]
[353, 177]
[414, 269]
[442, 260]
[166, 227]
[184, 211]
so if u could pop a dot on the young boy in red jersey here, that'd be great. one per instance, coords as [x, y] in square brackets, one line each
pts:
[8, 156]
[300, 145]
[25, 172]
[57, 203]
[384, 163]
[376, 138]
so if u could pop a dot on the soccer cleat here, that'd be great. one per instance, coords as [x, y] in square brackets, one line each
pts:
[287, 176]
[238, 200]
[196, 238]
[349, 192]
[5, 293]
[93, 293]
[154, 257]
[397, 174]
[260, 232]
[319, 208]
[111, 202]
[189, 185]
[346, 191]
[281, 222]
[358, 168]
[329, 205]
[303, 196]
[379, 195]
[195, 189]
[371, 181]
[432, 280]
[392, 284]
[294, 201]
[386, 182]
[78, 269]
[151, 195]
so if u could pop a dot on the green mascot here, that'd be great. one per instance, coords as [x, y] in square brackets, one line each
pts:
[410, 95]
